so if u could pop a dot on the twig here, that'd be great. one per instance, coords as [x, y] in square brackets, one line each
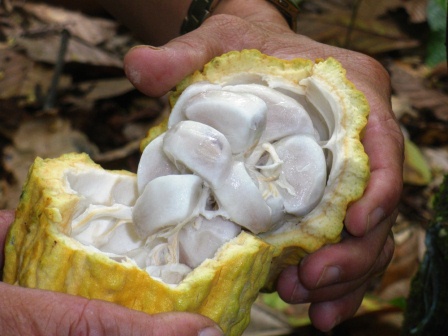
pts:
[59, 66]
[352, 22]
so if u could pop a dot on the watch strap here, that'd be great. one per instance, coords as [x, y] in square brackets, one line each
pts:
[289, 9]
[197, 13]
[201, 9]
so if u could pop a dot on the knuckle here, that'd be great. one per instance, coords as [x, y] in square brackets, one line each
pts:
[384, 258]
[88, 322]
[374, 67]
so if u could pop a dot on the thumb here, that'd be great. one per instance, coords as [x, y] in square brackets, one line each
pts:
[156, 70]
[37, 312]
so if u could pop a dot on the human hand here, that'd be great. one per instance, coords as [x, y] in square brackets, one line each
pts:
[335, 278]
[26, 311]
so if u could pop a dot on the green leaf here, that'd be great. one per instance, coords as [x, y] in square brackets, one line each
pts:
[399, 302]
[436, 13]
[416, 170]
[437, 18]
[436, 49]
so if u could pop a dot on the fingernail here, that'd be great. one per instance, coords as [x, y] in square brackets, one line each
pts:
[210, 331]
[134, 74]
[336, 321]
[299, 294]
[329, 276]
[146, 46]
[153, 47]
[374, 218]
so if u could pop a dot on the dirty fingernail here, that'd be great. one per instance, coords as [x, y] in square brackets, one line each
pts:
[210, 331]
[299, 294]
[146, 46]
[374, 218]
[336, 321]
[329, 276]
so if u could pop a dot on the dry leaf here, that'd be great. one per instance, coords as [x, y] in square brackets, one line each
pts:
[46, 138]
[46, 49]
[438, 161]
[405, 261]
[267, 321]
[416, 9]
[106, 88]
[416, 170]
[89, 29]
[10, 118]
[21, 77]
[38, 29]
[409, 82]
[14, 68]
[402, 106]
[370, 33]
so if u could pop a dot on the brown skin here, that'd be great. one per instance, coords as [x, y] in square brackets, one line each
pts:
[366, 248]
[42, 313]
[155, 70]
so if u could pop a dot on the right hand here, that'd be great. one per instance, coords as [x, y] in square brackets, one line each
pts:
[26, 311]
[335, 278]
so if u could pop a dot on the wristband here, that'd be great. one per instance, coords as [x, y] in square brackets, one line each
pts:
[201, 9]
[289, 9]
[197, 13]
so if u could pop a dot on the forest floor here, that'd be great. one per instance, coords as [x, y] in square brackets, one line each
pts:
[92, 108]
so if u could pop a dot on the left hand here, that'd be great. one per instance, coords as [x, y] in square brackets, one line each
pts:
[335, 278]
[27, 311]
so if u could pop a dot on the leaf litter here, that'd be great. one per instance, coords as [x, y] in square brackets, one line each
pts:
[96, 110]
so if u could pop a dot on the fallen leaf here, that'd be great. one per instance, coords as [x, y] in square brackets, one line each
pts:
[46, 49]
[416, 170]
[46, 138]
[364, 29]
[14, 68]
[406, 80]
[106, 88]
[267, 321]
[11, 114]
[402, 106]
[416, 9]
[89, 29]
[409, 239]
[37, 28]
[22, 78]
[437, 158]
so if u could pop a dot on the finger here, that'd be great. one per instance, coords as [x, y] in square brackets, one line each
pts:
[155, 71]
[351, 259]
[335, 303]
[383, 143]
[335, 270]
[384, 188]
[383, 139]
[6, 218]
[38, 312]
[326, 315]
[302, 294]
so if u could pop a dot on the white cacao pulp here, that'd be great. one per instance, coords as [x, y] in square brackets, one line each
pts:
[234, 157]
